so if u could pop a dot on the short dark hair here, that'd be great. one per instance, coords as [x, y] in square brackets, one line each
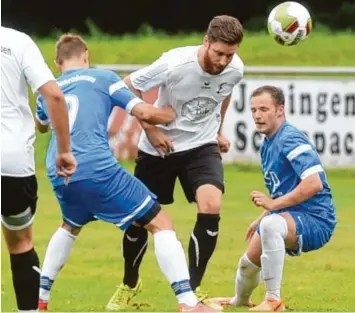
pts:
[226, 29]
[68, 46]
[276, 93]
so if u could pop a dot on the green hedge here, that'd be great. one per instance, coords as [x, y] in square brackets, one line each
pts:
[320, 49]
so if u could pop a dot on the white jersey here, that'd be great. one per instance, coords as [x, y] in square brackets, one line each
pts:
[196, 96]
[21, 63]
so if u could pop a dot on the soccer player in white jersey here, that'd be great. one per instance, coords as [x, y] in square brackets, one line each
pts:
[197, 81]
[299, 214]
[22, 63]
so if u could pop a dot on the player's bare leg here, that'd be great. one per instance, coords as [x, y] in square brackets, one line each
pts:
[57, 254]
[204, 235]
[24, 266]
[171, 259]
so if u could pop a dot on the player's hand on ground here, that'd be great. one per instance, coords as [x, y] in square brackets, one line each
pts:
[160, 141]
[66, 165]
[262, 200]
[252, 229]
[223, 143]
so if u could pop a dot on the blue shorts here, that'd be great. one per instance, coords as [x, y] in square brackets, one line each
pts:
[117, 197]
[313, 233]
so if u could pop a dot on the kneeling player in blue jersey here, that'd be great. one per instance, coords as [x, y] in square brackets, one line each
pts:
[299, 215]
[101, 188]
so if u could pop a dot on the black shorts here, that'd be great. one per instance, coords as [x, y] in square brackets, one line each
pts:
[194, 168]
[18, 201]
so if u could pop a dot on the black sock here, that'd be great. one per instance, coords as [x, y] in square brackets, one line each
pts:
[25, 279]
[202, 244]
[135, 241]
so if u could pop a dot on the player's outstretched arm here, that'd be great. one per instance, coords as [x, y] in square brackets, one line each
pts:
[152, 115]
[146, 124]
[121, 95]
[141, 95]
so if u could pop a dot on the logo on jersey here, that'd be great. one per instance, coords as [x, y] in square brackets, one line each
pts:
[272, 182]
[206, 85]
[6, 50]
[225, 89]
[198, 109]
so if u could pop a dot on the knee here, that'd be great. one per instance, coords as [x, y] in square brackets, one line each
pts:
[272, 226]
[208, 198]
[160, 222]
[246, 267]
[209, 205]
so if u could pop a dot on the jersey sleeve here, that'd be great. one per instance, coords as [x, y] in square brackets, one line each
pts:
[120, 94]
[35, 69]
[41, 114]
[302, 156]
[151, 76]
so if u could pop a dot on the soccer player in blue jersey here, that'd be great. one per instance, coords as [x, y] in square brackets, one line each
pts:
[299, 214]
[101, 188]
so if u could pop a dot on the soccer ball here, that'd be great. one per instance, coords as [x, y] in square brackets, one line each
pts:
[289, 23]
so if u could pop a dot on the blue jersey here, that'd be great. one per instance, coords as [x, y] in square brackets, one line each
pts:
[287, 158]
[90, 95]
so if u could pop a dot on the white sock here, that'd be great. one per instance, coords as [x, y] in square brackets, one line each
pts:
[57, 254]
[172, 262]
[247, 279]
[273, 232]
